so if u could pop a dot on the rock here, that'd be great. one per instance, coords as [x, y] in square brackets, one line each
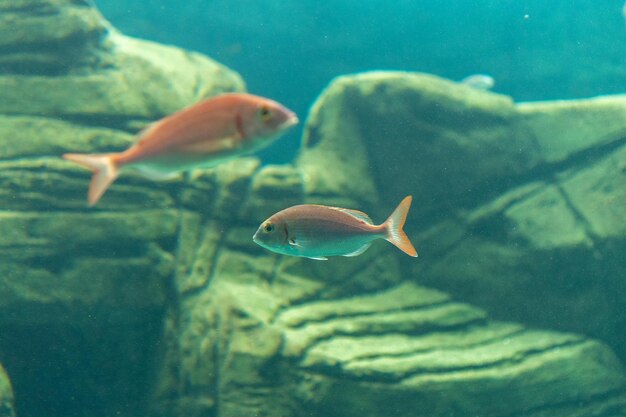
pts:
[557, 237]
[6, 395]
[406, 351]
[402, 127]
[559, 244]
[84, 292]
[110, 80]
[51, 37]
[587, 125]
[102, 267]
[259, 334]
[425, 355]
[517, 202]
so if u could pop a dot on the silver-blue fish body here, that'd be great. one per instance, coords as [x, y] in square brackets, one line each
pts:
[319, 238]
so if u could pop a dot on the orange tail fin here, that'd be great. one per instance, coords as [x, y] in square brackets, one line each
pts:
[104, 173]
[394, 224]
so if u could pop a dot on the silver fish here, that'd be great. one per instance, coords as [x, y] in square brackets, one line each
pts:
[316, 232]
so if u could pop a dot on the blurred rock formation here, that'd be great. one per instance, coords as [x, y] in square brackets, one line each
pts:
[83, 293]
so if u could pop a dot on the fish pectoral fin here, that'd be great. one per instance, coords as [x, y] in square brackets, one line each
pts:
[359, 250]
[292, 242]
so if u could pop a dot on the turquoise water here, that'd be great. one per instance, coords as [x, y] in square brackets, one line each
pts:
[533, 49]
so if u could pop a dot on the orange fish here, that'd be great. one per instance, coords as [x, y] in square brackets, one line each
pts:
[202, 135]
[315, 231]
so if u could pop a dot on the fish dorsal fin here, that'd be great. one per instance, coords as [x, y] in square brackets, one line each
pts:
[359, 250]
[356, 214]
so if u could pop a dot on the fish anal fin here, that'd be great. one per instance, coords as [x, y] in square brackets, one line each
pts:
[318, 258]
[156, 175]
[359, 250]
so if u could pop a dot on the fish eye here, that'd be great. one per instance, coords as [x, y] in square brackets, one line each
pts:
[269, 227]
[264, 113]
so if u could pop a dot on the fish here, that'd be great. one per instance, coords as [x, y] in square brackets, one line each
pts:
[479, 81]
[199, 136]
[317, 231]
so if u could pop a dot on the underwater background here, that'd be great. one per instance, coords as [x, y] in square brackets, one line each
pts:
[156, 302]
[290, 51]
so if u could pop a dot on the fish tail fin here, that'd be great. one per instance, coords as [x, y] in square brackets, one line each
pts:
[104, 172]
[393, 228]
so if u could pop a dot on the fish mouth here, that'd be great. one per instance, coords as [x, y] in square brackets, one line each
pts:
[292, 120]
[256, 239]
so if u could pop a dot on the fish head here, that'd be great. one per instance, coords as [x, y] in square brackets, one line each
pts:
[265, 120]
[273, 235]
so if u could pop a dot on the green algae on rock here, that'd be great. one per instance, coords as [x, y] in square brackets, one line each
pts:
[6, 395]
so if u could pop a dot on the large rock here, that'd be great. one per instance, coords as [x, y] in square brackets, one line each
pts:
[110, 86]
[410, 351]
[518, 202]
[262, 339]
[391, 129]
[83, 293]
